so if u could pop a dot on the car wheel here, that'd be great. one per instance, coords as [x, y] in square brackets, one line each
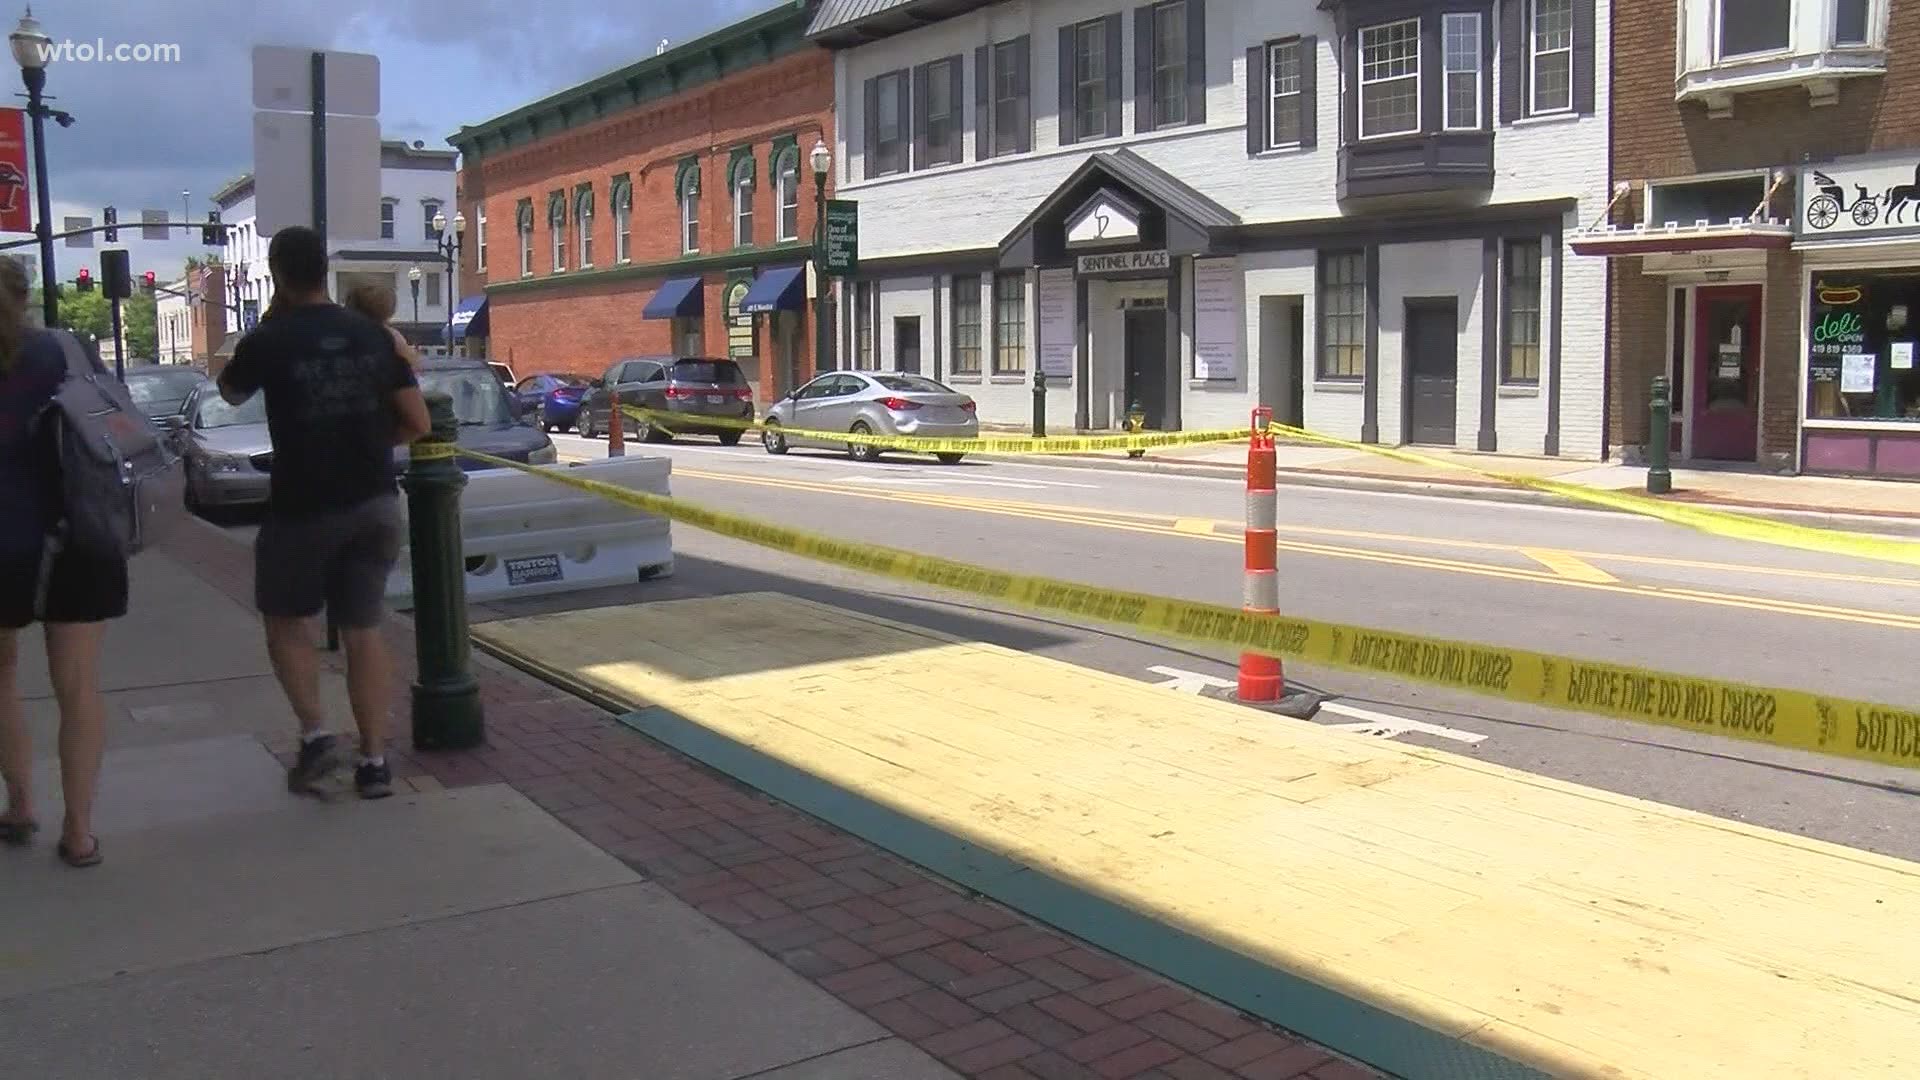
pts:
[540, 418]
[587, 430]
[862, 451]
[773, 438]
[651, 433]
[730, 438]
[950, 459]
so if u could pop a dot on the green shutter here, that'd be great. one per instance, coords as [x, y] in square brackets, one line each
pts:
[557, 208]
[781, 144]
[583, 201]
[525, 215]
[740, 154]
[688, 172]
[620, 193]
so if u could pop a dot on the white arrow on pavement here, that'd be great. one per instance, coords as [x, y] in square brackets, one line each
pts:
[1188, 682]
[1387, 726]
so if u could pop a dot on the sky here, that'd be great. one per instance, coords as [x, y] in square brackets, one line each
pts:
[145, 132]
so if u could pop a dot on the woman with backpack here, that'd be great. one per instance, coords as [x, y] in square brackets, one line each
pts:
[72, 594]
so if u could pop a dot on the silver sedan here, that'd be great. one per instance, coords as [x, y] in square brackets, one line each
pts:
[870, 403]
[228, 451]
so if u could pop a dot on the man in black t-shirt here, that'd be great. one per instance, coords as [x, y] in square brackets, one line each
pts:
[339, 399]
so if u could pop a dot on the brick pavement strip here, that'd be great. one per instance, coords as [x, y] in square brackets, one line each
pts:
[989, 993]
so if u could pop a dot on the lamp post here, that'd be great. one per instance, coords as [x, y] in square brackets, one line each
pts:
[821, 159]
[31, 50]
[449, 248]
[413, 280]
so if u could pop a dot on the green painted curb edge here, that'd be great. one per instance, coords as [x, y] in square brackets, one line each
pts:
[1382, 1039]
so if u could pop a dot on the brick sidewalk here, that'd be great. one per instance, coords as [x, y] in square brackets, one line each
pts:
[985, 991]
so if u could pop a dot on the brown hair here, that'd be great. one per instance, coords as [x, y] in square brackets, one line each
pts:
[13, 311]
[376, 302]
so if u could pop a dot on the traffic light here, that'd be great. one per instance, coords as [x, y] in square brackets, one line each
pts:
[114, 277]
[111, 218]
[210, 232]
[85, 281]
[146, 282]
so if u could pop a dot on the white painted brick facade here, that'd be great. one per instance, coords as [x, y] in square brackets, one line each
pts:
[973, 205]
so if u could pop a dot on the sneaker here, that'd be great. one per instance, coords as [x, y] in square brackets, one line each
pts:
[319, 759]
[373, 781]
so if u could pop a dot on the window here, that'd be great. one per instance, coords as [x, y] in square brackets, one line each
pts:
[432, 291]
[966, 324]
[583, 222]
[690, 212]
[1390, 79]
[888, 129]
[1520, 313]
[1552, 56]
[1755, 26]
[1343, 315]
[427, 211]
[557, 228]
[1090, 61]
[1011, 127]
[743, 203]
[622, 219]
[1283, 72]
[943, 112]
[863, 326]
[1010, 323]
[524, 221]
[689, 336]
[1460, 51]
[480, 237]
[1861, 362]
[787, 187]
[386, 218]
[1170, 64]
[1850, 22]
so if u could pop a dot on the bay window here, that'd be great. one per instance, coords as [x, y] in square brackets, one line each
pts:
[1390, 79]
[1460, 32]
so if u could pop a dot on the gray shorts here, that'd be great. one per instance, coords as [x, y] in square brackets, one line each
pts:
[338, 560]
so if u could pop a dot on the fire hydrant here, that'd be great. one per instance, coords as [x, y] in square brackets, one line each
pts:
[1136, 423]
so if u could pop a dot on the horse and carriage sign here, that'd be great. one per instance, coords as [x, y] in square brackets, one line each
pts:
[1879, 196]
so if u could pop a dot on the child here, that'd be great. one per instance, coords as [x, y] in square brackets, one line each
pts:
[377, 302]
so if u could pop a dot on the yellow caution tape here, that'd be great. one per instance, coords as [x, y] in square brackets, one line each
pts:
[432, 451]
[1860, 730]
[998, 444]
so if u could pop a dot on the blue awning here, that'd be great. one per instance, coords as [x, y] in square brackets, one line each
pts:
[678, 298]
[470, 318]
[780, 289]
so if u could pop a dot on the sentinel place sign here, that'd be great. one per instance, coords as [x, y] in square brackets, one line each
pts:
[1124, 262]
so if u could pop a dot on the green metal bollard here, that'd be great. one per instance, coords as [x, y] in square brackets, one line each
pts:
[1659, 477]
[1136, 423]
[446, 696]
[1039, 404]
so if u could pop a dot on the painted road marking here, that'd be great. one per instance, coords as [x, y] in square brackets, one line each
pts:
[1188, 682]
[904, 478]
[1388, 726]
[1196, 526]
[1567, 566]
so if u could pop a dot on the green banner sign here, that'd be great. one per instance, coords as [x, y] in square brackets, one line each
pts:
[843, 236]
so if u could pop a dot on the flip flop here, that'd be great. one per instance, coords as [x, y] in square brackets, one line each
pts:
[91, 858]
[18, 833]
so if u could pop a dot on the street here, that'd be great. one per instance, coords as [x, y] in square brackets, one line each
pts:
[1585, 584]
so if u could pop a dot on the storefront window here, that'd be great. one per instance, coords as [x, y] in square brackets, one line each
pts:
[1863, 339]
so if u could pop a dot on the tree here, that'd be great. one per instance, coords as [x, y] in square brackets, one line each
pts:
[89, 314]
[141, 326]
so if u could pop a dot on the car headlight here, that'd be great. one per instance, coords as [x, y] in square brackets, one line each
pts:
[546, 455]
[223, 463]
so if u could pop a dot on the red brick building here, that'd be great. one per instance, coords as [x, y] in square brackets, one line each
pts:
[639, 214]
[1764, 239]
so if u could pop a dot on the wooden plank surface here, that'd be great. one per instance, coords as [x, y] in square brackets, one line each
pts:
[1580, 932]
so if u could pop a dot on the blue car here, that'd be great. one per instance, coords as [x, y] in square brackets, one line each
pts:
[553, 401]
[491, 419]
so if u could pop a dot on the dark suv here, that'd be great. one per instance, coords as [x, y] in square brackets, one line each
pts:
[691, 388]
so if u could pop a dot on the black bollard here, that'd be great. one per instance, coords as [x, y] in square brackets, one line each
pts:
[446, 697]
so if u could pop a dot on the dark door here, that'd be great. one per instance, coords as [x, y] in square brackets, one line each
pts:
[1146, 346]
[1726, 372]
[1433, 369]
[1297, 359]
[906, 343]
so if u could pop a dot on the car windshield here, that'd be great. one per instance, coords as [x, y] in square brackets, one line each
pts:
[910, 384]
[707, 371]
[478, 398]
[154, 387]
[216, 413]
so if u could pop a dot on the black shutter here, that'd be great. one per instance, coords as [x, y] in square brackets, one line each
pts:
[1432, 77]
[919, 118]
[1023, 76]
[1259, 99]
[982, 104]
[1116, 84]
[870, 131]
[957, 103]
[1583, 57]
[1196, 61]
[1309, 106]
[1513, 65]
[1068, 125]
[1142, 69]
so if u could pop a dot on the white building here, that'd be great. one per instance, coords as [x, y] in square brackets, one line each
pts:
[416, 183]
[1350, 211]
[173, 322]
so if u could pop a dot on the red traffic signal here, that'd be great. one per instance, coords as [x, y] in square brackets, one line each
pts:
[146, 281]
[84, 280]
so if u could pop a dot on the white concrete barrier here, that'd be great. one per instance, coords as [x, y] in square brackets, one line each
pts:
[525, 536]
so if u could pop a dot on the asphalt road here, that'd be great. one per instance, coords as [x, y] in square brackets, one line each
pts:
[1588, 584]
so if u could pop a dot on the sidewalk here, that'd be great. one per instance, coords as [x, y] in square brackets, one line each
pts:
[678, 925]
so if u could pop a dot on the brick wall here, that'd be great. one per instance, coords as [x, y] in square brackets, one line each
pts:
[209, 316]
[585, 325]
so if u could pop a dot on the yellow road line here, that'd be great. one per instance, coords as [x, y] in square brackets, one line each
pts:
[1567, 566]
[1196, 526]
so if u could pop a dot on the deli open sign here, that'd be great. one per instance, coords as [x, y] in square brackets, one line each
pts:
[16, 214]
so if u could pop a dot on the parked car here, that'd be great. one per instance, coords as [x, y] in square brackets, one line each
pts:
[503, 371]
[163, 391]
[491, 421]
[228, 452]
[691, 388]
[871, 403]
[552, 400]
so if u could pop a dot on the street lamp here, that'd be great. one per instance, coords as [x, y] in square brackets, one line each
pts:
[822, 160]
[413, 279]
[31, 50]
[449, 248]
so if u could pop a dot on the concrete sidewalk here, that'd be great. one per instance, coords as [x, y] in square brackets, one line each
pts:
[235, 930]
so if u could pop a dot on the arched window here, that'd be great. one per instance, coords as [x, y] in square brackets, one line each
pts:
[622, 200]
[557, 226]
[690, 212]
[743, 202]
[786, 186]
[523, 220]
[583, 220]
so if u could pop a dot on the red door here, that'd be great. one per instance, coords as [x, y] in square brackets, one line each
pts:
[1726, 373]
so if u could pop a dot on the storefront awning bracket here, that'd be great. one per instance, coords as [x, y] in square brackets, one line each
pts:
[1762, 210]
[1620, 191]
